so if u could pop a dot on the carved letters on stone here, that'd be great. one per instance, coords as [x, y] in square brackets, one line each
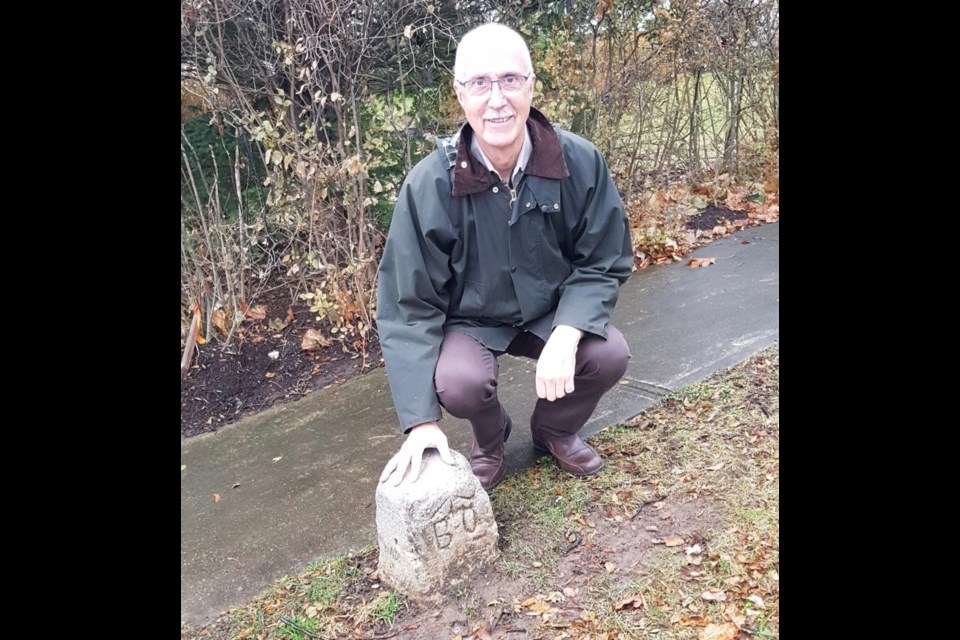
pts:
[455, 514]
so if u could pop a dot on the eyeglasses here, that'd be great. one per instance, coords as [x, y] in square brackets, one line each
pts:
[512, 83]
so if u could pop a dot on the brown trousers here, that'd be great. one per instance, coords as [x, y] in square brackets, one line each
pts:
[466, 380]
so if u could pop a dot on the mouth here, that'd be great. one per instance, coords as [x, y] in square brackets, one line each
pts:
[499, 120]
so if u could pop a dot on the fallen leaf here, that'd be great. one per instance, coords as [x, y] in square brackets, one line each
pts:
[183, 467]
[692, 621]
[712, 594]
[235, 485]
[570, 593]
[757, 600]
[313, 340]
[713, 631]
[715, 467]
[701, 262]
[694, 550]
[673, 540]
[636, 602]
[258, 312]
[216, 497]
[277, 325]
[219, 318]
[541, 608]
[277, 459]
[558, 491]
[481, 632]
[610, 567]
[270, 374]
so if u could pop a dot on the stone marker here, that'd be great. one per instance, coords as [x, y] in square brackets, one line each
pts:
[436, 531]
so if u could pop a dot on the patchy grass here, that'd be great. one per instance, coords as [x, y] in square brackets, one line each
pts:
[678, 538]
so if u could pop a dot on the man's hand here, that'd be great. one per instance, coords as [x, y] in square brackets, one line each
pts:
[423, 436]
[555, 367]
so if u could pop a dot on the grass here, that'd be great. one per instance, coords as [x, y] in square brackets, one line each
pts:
[298, 628]
[387, 606]
[677, 537]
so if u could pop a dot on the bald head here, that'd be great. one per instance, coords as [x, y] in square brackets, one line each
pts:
[478, 43]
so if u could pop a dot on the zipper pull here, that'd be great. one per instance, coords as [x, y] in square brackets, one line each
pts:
[513, 195]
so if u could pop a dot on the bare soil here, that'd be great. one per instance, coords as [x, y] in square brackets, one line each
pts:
[264, 367]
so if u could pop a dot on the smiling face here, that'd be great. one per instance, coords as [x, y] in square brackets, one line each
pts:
[498, 119]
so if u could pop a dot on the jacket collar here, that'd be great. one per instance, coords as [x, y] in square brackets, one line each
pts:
[470, 175]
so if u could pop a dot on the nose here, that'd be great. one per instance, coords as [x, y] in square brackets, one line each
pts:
[496, 95]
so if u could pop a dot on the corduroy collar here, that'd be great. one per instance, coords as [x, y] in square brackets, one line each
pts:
[470, 175]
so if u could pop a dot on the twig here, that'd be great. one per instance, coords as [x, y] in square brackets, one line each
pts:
[496, 621]
[296, 626]
[573, 544]
[191, 342]
[656, 498]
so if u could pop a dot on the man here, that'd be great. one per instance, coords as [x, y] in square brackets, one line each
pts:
[510, 238]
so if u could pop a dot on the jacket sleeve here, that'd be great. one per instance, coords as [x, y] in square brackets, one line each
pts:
[602, 252]
[412, 296]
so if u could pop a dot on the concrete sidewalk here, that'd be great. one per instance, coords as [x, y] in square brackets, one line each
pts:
[297, 482]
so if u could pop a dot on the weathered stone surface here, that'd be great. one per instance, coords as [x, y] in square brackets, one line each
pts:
[436, 531]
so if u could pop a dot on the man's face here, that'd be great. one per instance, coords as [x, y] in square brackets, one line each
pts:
[497, 118]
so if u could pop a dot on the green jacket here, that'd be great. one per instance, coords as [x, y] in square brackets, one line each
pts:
[565, 247]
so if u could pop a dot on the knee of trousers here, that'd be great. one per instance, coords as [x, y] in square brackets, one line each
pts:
[607, 360]
[465, 393]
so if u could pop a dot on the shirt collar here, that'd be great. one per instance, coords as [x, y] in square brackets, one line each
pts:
[525, 151]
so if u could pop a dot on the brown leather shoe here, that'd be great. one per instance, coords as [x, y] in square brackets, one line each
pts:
[574, 455]
[486, 455]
